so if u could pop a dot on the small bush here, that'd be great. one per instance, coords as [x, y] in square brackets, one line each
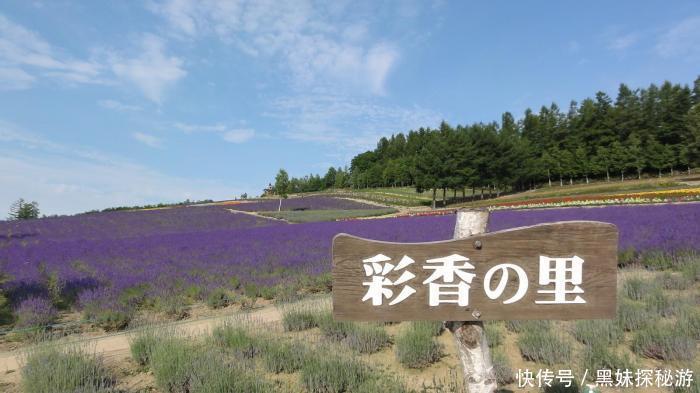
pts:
[691, 272]
[689, 321]
[636, 288]
[599, 356]
[597, 331]
[494, 335]
[193, 292]
[433, 328]
[35, 312]
[174, 306]
[544, 346]
[286, 294]
[299, 318]
[332, 329]
[657, 260]
[676, 281]
[367, 338]
[659, 304]
[110, 319]
[237, 339]
[248, 303]
[268, 293]
[218, 298]
[521, 326]
[284, 357]
[333, 373]
[321, 283]
[632, 315]
[667, 343]
[171, 363]
[417, 348]
[142, 345]
[502, 368]
[560, 387]
[50, 370]
[211, 373]
[627, 257]
[235, 282]
[251, 290]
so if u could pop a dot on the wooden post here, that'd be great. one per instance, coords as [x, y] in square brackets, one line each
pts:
[474, 352]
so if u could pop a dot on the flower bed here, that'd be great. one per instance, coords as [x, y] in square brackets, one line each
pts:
[666, 196]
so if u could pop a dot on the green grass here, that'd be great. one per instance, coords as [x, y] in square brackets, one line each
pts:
[502, 368]
[299, 318]
[598, 332]
[367, 338]
[281, 356]
[237, 339]
[632, 315]
[142, 344]
[520, 326]
[51, 369]
[664, 342]
[300, 216]
[416, 346]
[544, 346]
[494, 333]
[334, 373]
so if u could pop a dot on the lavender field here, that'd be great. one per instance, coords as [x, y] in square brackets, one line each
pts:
[120, 261]
[303, 203]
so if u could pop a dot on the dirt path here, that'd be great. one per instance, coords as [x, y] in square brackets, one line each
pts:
[115, 347]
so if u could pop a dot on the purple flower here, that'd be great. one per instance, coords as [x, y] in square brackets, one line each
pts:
[35, 312]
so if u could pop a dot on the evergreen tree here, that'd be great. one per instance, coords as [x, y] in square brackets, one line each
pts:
[22, 210]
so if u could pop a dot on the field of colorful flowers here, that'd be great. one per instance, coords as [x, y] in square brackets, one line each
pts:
[664, 196]
[118, 262]
[315, 202]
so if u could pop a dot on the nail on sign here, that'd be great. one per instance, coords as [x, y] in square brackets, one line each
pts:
[562, 270]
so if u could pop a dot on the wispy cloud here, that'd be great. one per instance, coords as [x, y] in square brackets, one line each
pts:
[118, 106]
[152, 71]
[13, 78]
[622, 42]
[681, 40]
[68, 179]
[28, 55]
[239, 135]
[148, 140]
[311, 42]
[349, 125]
[227, 133]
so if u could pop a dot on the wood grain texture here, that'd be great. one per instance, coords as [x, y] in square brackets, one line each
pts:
[595, 242]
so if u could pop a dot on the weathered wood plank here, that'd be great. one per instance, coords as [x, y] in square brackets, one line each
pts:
[594, 242]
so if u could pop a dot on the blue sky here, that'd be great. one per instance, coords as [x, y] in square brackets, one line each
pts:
[121, 103]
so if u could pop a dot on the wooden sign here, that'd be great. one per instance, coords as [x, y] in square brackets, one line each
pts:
[562, 270]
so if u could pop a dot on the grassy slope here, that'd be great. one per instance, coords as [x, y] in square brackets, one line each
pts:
[325, 215]
[407, 196]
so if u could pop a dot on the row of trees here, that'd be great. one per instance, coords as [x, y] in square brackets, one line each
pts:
[334, 178]
[643, 131]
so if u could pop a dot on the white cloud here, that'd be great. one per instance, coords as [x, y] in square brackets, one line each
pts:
[238, 135]
[12, 78]
[65, 179]
[227, 133]
[148, 140]
[191, 128]
[118, 106]
[308, 40]
[349, 125]
[681, 40]
[622, 42]
[152, 71]
[27, 52]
